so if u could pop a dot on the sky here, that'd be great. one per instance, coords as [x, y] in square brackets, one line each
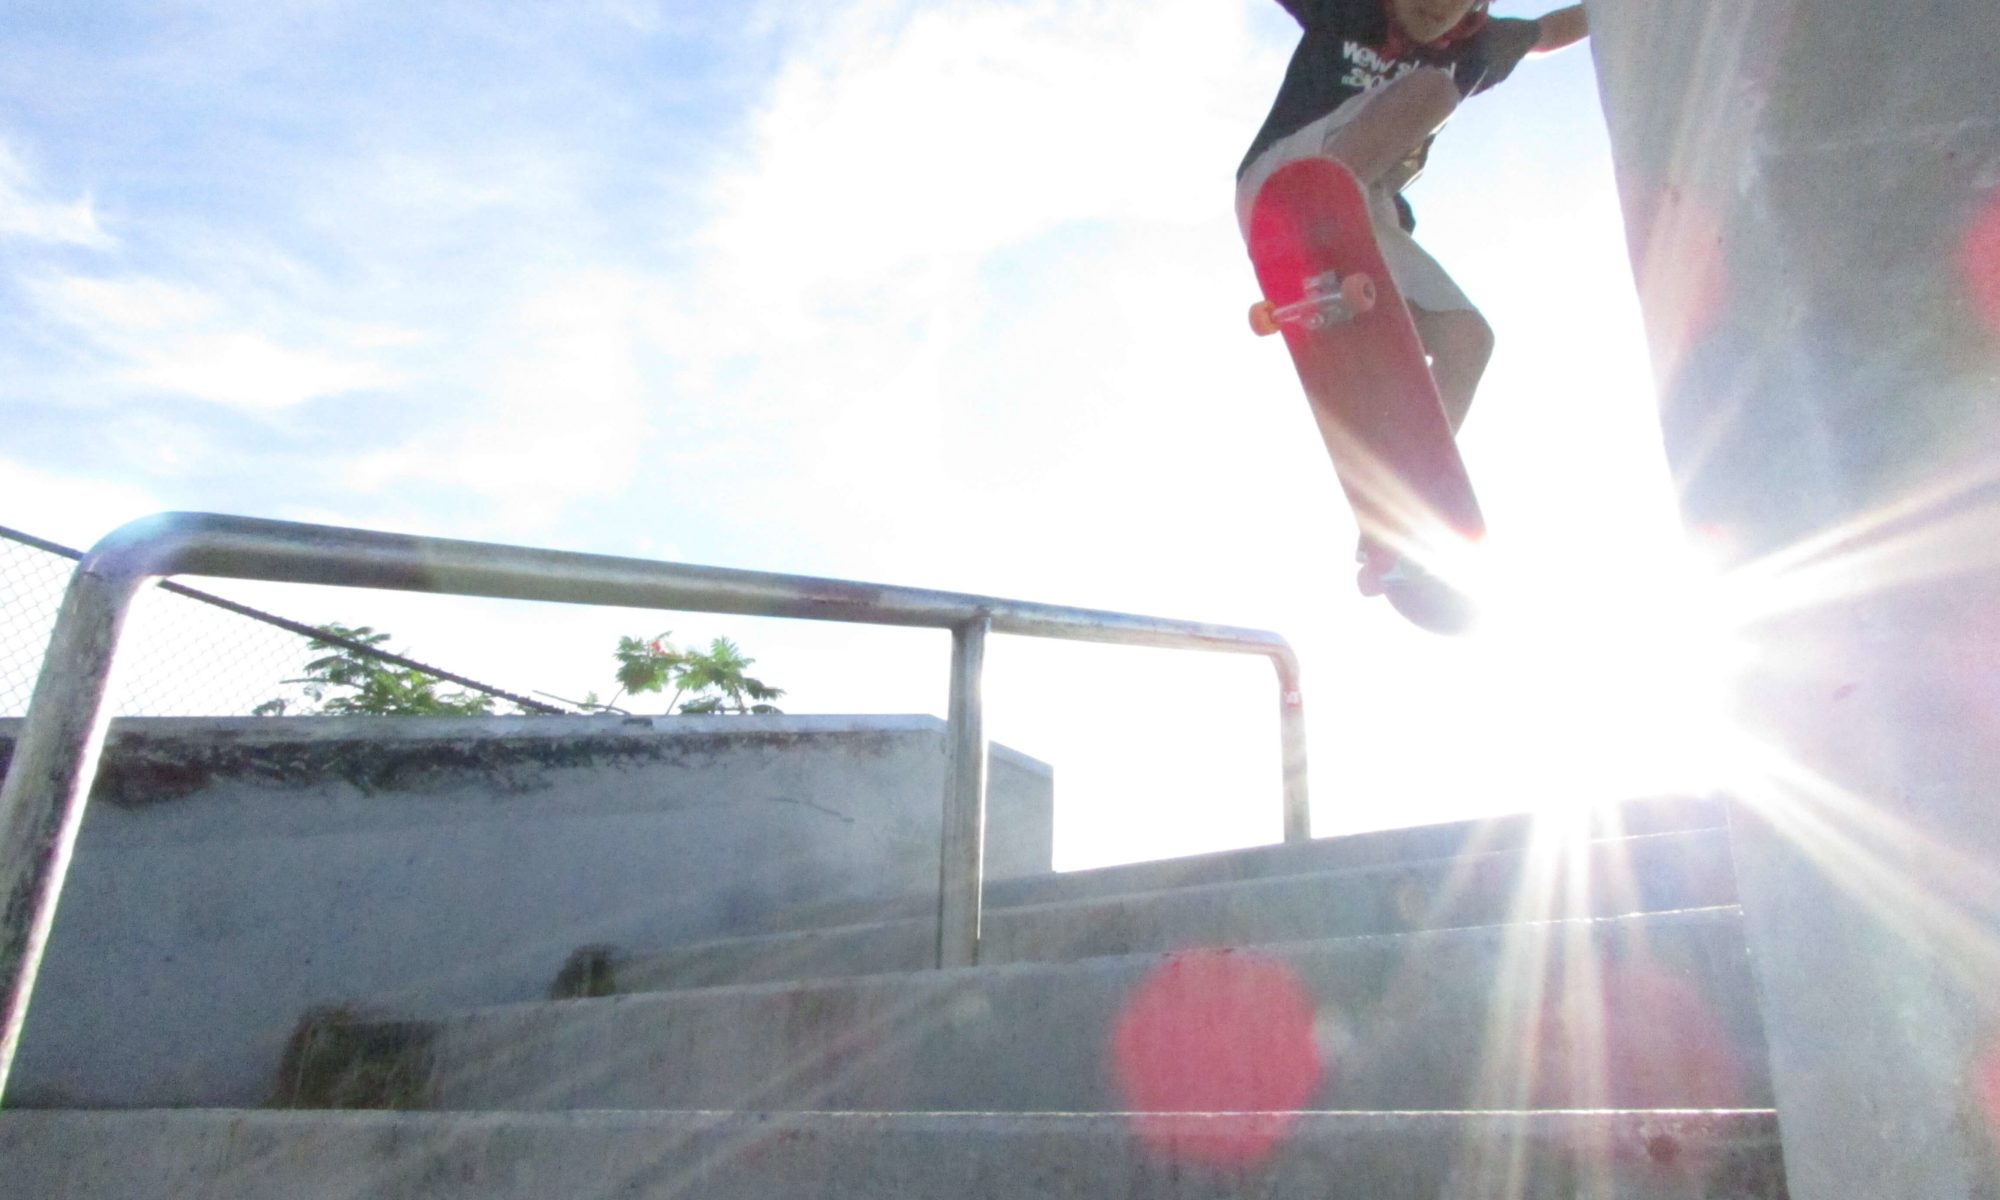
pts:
[945, 293]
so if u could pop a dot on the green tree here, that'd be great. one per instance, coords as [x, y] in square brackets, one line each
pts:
[347, 681]
[714, 680]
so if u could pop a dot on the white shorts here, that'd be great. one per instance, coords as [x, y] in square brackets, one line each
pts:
[1423, 282]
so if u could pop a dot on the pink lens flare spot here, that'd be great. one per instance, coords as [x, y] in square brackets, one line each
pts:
[1683, 274]
[1986, 1086]
[1972, 678]
[1979, 261]
[1649, 1039]
[1642, 1038]
[1211, 1032]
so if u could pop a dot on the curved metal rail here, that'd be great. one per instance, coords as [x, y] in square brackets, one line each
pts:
[41, 804]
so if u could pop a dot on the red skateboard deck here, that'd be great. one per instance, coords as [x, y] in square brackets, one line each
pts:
[1357, 352]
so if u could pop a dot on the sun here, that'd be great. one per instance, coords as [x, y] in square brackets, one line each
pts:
[1614, 669]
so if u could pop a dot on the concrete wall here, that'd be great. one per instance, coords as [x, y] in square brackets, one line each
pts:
[1812, 194]
[231, 874]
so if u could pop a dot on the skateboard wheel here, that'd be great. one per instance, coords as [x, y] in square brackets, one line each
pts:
[1263, 318]
[1359, 292]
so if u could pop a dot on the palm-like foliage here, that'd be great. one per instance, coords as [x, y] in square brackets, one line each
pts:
[717, 680]
[711, 680]
[349, 679]
[372, 686]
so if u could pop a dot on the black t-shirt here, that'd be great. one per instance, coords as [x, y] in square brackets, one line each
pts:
[1350, 46]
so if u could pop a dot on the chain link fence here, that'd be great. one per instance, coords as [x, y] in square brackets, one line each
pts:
[185, 653]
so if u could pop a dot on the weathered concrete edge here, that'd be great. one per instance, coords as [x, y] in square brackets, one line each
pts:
[406, 729]
[1009, 906]
[1652, 1155]
[1628, 926]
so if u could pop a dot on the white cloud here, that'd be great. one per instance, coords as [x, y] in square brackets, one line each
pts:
[375, 336]
[174, 337]
[411, 196]
[250, 371]
[899, 139]
[130, 305]
[561, 413]
[26, 214]
[640, 16]
[930, 197]
[68, 509]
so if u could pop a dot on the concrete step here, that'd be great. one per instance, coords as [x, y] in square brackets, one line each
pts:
[1653, 1011]
[237, 1155]
[1379, 848]
[1653, 873]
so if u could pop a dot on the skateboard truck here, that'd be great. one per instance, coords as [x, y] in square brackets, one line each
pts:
[1329, 300]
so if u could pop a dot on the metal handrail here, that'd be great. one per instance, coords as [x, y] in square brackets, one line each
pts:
[55, 759]
[362, 649]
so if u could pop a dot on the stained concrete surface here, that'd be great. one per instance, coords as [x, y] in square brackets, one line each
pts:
[233, 874]
[874, 1156]
[1805, 185]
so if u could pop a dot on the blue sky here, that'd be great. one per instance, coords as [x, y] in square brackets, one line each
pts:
[946, 294]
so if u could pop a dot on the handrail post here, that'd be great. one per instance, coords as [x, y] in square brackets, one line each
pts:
[962, 852]
[1292, 750]
[48, 781]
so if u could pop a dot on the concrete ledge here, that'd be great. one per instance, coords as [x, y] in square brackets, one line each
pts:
[870, 1156]
[233, 874]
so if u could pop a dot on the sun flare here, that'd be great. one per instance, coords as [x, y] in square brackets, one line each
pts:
[1627, 660]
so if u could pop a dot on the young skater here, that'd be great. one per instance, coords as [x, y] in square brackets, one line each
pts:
[1369, 85]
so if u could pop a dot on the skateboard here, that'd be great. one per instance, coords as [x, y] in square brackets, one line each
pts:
[1370, 386]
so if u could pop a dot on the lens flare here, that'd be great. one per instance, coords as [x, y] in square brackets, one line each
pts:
[1986, 1085]
[1226, 1034]
[1647, 1039]
[1979, 261]
[1683, 274]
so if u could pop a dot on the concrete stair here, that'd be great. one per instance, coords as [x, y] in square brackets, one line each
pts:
[1462, 1011]
[1389, 849]
[1396, 1028]
[1648, 873]
[874, 1156]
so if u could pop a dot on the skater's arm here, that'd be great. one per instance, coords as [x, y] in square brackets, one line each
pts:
[1563, 27]
[1505, 41]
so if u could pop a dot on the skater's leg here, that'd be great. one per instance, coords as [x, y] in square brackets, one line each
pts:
[1460, 344]
[1397, 119]
[1374, 134]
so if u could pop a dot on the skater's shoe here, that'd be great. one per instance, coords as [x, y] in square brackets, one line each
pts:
[1421, 597]
[1378, 563]
[1427, 601]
